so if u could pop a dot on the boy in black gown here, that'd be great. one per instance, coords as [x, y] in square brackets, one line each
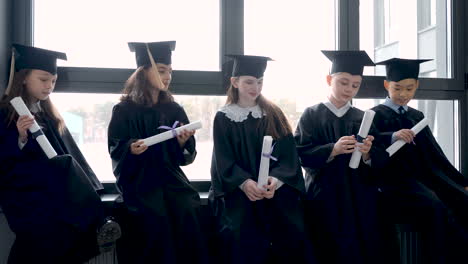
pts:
[419, 184]
[342, 202]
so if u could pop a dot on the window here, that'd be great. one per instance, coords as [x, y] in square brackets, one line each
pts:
[87, 116]
[293, 36]
[407, 29]
[95, 33]
[443, 116]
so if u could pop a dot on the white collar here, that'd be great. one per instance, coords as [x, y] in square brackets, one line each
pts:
[338, 112]
[36, 107]
[238, 114]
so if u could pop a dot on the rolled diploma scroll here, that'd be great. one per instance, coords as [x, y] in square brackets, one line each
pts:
[363, 132]
[264, 162]
[44, 143]
[168, 134]
[400, 143]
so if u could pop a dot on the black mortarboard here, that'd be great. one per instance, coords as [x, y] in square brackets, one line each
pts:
[399, 69]
[160, 51]
[350, 61]
[35, 58]
[26, 57]
[248, 65]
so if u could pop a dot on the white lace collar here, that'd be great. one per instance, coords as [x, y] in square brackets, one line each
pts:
[238, 114]
[36, 107]
[338, 112]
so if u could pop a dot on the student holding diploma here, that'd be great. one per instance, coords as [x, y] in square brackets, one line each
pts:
[52, 205]
[341, 201]
[256, 223]
[162, 208]
[419, 184]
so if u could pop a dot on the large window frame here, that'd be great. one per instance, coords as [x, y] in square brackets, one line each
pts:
[107, 80]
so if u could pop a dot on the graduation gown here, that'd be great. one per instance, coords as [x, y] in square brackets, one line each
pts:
[163, 208]
[54, 198]
[342, 209]
[247, 229]
[419, 183]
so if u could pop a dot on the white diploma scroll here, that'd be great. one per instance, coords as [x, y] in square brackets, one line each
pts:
[265, 162]
[44, 143]
[170, 134]
[363, 132]
[400, 143]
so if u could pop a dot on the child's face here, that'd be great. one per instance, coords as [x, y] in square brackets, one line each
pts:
[40, 84]
[165, 72]
[344, 86]
[403, 91]
[249, 88]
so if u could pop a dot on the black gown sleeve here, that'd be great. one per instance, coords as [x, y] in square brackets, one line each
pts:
[311, 155]
[287, 168]
[187, 154]
[119, 142]
[225, 171]
[75, 152]
[10, 152]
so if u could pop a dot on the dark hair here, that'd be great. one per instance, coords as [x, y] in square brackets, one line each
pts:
[18, 88]
[277, 124]
[139, 89]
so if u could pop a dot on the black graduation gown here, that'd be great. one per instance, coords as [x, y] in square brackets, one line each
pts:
[163, 208]
[419, 182]
[246, 229]
[48, 198]
[342, 209]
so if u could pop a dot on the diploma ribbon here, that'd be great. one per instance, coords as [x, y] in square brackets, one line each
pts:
[174, 132]
[37, 134]
[268, 155]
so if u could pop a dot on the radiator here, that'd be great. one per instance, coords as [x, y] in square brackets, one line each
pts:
[105, 258]
[410, 247]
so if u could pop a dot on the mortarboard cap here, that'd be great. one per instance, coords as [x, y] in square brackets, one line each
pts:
[399, 69]
[350, 61]
[248, 65]
[160, 51]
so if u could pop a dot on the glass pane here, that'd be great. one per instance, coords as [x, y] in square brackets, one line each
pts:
[95, 33]
[87, 116]
[407, 29]
[443, 122]
[293, 35]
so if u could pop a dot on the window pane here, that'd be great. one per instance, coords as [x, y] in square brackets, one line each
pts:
[407, 29]
[95, 33]
[443, 122]
[87, 116]
[293, 35]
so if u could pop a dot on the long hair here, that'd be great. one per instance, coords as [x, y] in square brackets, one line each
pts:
[139, 89]
[277, 124]
[18, 88]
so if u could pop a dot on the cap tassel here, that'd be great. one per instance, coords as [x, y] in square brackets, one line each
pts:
[12, 72]
[155, 70]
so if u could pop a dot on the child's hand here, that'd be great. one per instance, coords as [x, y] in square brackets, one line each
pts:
[406, 135]
[366, 146]
[344, 145]
[138, 147]
[253, 193]
[466, 188]
[183, 136]
[270, 187]
[23, 124]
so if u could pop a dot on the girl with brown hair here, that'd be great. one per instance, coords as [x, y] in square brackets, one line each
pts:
[256, 224]
[52, 205]
[161, 208]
